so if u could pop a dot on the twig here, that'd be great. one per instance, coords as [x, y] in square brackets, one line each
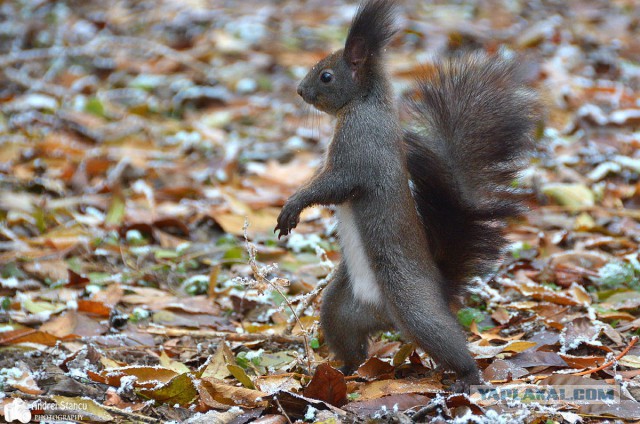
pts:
[308, 299]
[282, 409]
[235, 337]
[633, 341]
[275, 283]
[424, 411]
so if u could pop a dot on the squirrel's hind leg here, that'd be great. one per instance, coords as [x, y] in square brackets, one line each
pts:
[426, 318]
[347, 322]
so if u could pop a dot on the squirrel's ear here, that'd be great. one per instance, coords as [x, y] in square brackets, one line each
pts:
[371, 29]
[355, 53]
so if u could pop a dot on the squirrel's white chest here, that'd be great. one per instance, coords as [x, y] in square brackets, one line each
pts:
[361, 276]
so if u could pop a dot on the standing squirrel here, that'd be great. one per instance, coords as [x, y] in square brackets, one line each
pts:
[419, 212]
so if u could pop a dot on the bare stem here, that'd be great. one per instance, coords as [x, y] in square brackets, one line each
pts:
[274, 283]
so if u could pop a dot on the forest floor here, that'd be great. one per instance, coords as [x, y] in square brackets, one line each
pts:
[137, 138]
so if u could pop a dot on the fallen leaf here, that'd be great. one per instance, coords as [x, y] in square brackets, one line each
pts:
[374, 369]
[172, 364]
[503, 370]
[232, 395]
[327, 384]
[180, 390]
[87, 408]
[381, 388]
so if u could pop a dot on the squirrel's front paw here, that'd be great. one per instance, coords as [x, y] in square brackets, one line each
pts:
[287, 220]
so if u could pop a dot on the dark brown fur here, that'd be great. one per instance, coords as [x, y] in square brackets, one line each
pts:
[367, 169]
[478, 119]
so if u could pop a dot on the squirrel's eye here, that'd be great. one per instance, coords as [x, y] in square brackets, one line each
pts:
[326, 77]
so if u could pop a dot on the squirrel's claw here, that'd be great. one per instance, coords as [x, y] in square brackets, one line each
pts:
[287, 220]
[283, 232]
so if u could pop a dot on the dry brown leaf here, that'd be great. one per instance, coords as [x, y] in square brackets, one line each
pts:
[231, 395]
[381, 388]
[328, 385]
[276, 383]
[147, 377]
[376, 369]
[28, 335]
[93, 307]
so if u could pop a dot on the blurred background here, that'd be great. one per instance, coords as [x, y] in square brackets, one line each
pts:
[195, 100]
[136, 137]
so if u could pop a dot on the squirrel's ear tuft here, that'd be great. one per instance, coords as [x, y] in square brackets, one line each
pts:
[371, 30]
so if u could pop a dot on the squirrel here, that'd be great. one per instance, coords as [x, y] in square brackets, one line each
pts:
[420, 212]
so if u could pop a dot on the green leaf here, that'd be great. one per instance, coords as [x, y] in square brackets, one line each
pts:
[234, 253]
[99, 277]
[166, 254]
[12, 270]
[468, 315]
[5, 304]
[95, 106]
[277, 360]
[197, 284]
[391, 336]
[353, 396]
[241, 359]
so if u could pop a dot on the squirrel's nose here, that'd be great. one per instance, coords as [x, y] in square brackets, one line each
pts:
[299, 90]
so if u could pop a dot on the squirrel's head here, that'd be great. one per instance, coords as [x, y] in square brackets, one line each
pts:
[350, 73]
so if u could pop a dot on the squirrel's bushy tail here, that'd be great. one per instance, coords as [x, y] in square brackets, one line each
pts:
[476, 119]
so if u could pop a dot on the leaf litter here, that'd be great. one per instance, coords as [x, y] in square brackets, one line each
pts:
[137, 140]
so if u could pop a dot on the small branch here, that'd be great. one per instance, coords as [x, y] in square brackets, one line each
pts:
[308, 299]
[633, 341]
[422, 413]
[234, 337]
[261, 281]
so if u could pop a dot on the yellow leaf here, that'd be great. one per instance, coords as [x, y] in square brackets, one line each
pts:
[402, 354]
[179, 390]
[36, 307]
[240, 375]
[217, 366]
[572, 195]
[172, 364]
[84, 407]
[519, 346]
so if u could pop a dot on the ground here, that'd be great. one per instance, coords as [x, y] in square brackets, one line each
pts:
[146, 149]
